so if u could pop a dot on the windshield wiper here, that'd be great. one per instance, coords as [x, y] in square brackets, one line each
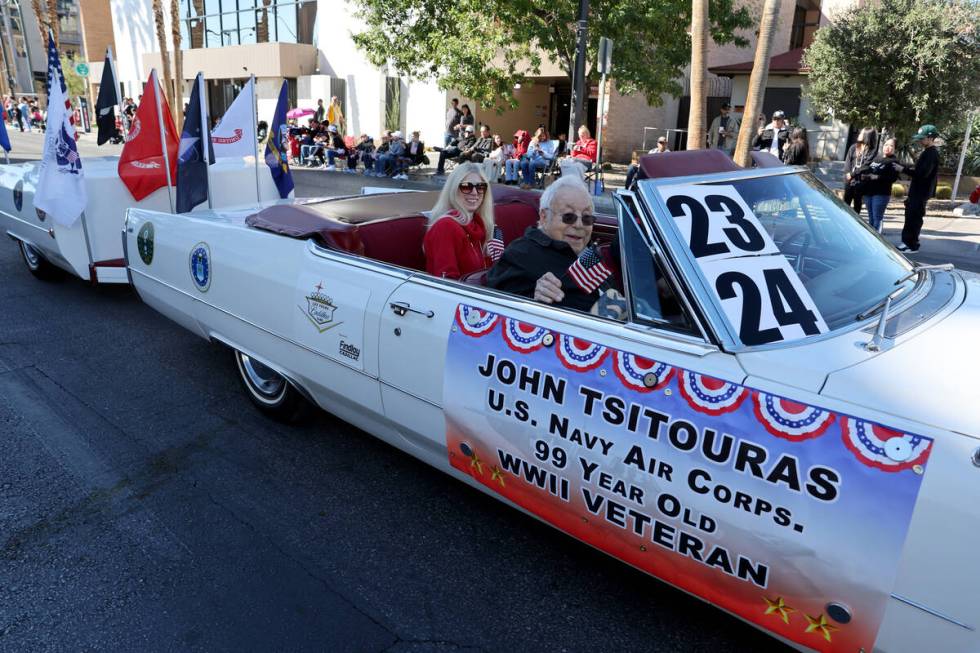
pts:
[874, 344]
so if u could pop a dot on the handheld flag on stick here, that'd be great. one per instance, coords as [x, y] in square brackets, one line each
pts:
[61, 185]
[588, 271]
[193, 159]
[142, 162]
[105, 105]
[235, 135]
[277, 146]
[495, 248]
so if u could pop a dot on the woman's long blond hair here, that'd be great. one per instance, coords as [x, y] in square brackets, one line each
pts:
[448, 198]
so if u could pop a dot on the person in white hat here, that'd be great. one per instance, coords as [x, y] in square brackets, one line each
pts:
[338, 148]
[389, 160]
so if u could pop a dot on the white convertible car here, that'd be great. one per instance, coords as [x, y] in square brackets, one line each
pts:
[785, 424]
[91, 248]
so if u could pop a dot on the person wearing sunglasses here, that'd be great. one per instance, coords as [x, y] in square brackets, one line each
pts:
[535, 265]
[461, 225]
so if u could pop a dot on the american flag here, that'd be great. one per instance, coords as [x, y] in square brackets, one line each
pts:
[588, 271]
[54, 72]
[495, 248]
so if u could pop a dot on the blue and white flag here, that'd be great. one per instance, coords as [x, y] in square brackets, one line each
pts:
[277, 146]
[61, 184]
[192, 157]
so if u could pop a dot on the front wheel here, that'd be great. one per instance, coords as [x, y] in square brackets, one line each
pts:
[39, 266]
[270, 391]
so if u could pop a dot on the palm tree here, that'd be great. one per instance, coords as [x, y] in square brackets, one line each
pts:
[53, 22]
[757, 82]
[699, 51]
[178, 63]
[168, 85]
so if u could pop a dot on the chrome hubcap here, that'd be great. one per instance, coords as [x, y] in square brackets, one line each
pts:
[266, 381]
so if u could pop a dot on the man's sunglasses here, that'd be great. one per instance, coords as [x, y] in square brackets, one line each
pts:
[587, 219]
[467, 188]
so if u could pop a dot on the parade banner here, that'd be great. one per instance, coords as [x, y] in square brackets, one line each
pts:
[791, 516]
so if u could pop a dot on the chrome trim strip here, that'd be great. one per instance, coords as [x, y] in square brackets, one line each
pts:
[669, 340]
[14, 217]
[934, 613]
[252, 324]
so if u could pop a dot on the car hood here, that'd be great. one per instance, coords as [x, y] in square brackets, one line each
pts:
[930, 376]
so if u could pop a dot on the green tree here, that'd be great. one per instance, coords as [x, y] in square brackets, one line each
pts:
[898, 63]
[481, 48]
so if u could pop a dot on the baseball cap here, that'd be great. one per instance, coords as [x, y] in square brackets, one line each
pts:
[926, 131]
[725, 105]
[332, 128]
[396, 134]
[662, 139]
[470, 128]
[778, 114]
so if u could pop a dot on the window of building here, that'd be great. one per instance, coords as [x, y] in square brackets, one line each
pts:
[806, 20]
[216, 23]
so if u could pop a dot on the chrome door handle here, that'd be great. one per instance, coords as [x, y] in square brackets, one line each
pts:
[401, 308]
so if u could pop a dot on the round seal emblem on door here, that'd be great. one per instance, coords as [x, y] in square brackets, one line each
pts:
[19, 195]
[144, 242]
[200, 263]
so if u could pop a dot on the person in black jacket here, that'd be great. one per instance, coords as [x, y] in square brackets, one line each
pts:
[536, 264]
[860, 154]
[774, 136]
[877, 178]
[923, 186]
[797, 152]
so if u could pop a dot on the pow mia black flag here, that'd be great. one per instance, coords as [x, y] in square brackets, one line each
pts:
[105, 105]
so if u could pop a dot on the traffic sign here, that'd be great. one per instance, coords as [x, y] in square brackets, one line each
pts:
[82, 69]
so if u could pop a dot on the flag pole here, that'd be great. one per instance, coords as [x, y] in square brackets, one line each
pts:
[123, 119]
[205, 132]
[163, 138]
[255, 137]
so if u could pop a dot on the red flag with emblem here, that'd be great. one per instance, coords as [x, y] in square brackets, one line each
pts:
[141, 165]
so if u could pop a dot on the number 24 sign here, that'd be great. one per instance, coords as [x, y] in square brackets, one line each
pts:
[759, 291]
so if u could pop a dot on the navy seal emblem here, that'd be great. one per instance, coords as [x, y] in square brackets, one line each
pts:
[144, 242]
[200, 264]
[19, 195]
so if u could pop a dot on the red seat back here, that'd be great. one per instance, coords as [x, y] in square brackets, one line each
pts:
[395, 240]
[682, 164]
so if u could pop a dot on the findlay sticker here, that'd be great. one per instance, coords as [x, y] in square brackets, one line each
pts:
[200, 266]
[320, 309]
[144, 242]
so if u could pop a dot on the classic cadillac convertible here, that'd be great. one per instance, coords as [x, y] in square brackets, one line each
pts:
[783, 424]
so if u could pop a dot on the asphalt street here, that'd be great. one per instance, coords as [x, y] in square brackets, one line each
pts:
[145, 505]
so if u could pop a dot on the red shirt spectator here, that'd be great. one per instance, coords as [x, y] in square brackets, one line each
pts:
[585, 148]
[975, 195]
[453, 250]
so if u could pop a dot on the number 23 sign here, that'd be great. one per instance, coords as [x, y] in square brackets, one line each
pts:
[761, 294]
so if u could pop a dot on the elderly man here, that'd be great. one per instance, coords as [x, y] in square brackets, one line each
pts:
[724, 130]
[535, 264]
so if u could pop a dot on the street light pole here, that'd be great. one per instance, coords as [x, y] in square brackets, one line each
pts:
[577, 105]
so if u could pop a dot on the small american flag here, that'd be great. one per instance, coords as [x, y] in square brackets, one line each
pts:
[588, 271]
[495, 248]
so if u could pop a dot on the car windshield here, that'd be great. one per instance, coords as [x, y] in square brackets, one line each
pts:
[784, 256]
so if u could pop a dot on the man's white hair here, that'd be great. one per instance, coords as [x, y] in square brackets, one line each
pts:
[565, 181]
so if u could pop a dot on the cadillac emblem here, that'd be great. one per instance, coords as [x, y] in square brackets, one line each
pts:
[320, 309]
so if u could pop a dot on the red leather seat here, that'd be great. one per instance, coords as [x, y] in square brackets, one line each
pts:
[684, 163]
[395, 240]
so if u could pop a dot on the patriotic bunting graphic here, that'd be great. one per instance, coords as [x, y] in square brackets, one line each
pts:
[711, 396]
[495, 248]
[641, 374]
[580, 355]
[475, 322]
[884, 448]
[789, 419]
[523, 337]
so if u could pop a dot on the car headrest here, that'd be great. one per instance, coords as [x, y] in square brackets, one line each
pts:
[684, 163]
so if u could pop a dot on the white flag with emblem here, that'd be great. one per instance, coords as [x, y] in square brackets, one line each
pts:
[235, 134]
[61, 183]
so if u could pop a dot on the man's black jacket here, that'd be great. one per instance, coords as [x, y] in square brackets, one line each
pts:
[527, 259]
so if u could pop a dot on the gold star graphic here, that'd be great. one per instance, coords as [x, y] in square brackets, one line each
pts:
[476, 463]
[819, 623]
[778, 607]
[497, 474]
